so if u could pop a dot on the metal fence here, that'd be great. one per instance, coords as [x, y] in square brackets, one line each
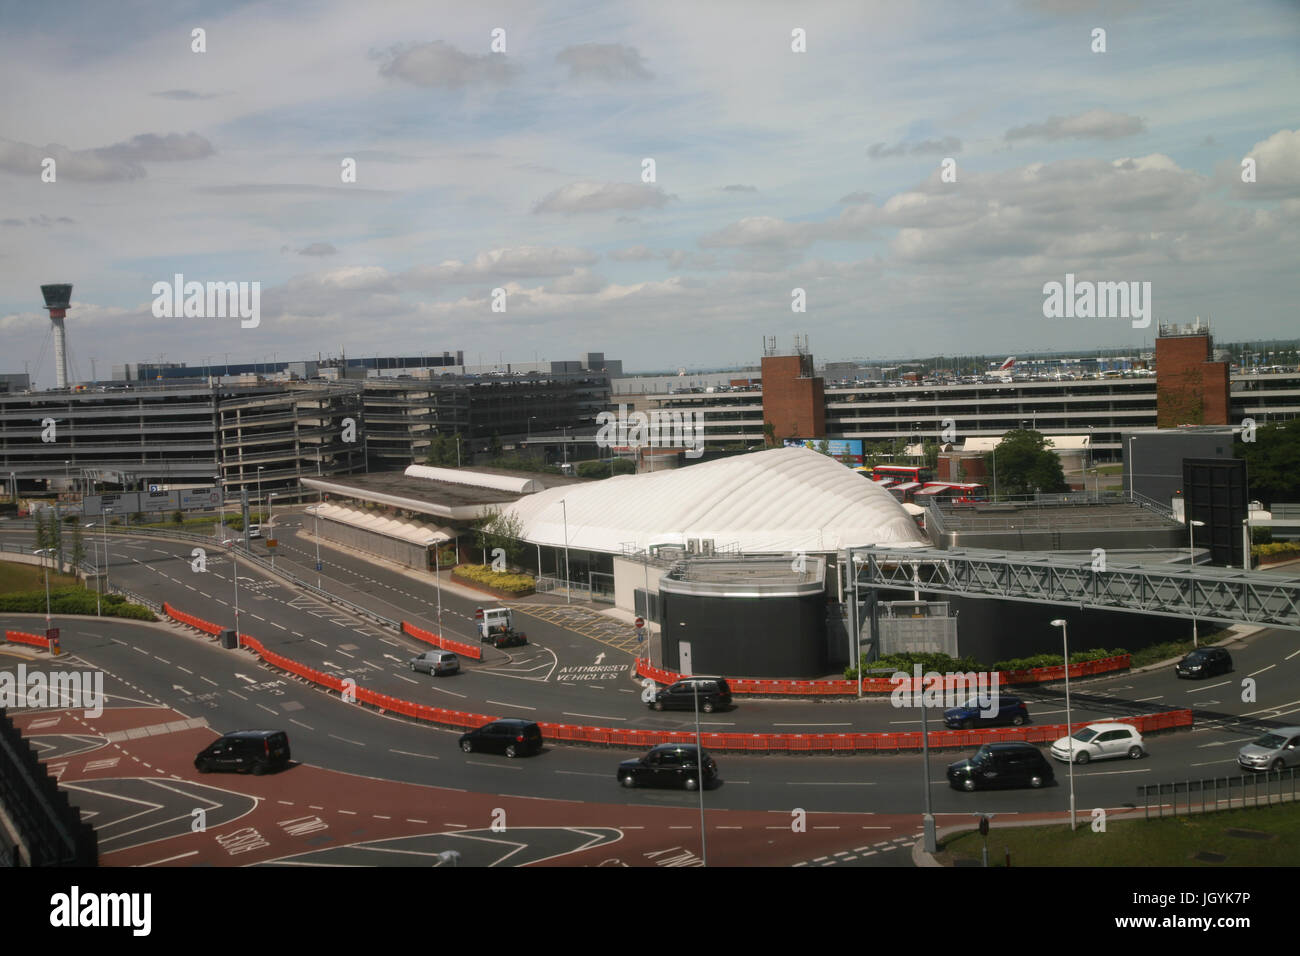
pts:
[1219, 793]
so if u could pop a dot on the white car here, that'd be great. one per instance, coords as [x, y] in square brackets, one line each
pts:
[254, 530]
[1099, 742]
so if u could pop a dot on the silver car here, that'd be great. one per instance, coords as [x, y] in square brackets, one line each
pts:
[436, 662]
[1275, 750]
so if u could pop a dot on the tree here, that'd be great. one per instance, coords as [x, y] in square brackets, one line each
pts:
[769, 434]
[1025, 463]
[78, 546]
[930, 452]
[604, 469]
[442, 452]
[824, 447]
[42, 529]
[1273, 461]
[494, 447]
[178, 518]
[499, 530]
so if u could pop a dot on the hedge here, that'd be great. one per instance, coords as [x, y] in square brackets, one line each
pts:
[503, 580]
[73, 600]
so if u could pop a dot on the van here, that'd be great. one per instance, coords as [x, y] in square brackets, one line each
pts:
[249, 751]
[436, 662]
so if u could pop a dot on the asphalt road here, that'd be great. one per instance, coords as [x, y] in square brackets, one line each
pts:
[164, 665]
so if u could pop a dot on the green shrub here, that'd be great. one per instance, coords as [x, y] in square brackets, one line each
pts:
[906, 662]
[502, 580]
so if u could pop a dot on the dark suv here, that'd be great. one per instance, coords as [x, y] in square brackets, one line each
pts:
[1001, 765]
[669, 765]
[509, 735]
[255, 751]
[1204, 662]
[1010, 710]
[712, 692]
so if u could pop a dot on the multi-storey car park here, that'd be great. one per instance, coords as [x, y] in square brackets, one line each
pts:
[1186, 389]
[272, 433]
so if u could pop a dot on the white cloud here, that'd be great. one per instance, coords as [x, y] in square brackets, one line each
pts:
[1093, 124]
[602, 197]
[611, 62]
[441, 65]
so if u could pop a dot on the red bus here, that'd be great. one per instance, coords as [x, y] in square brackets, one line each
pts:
[960, 492]
[902, 473]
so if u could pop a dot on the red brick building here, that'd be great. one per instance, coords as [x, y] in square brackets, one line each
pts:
[794, 400]
[1191, 389]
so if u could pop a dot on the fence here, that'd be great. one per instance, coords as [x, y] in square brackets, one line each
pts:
[1246, 790]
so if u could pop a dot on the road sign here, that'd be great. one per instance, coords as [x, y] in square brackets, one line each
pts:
[52, 633]
[270, 542]
[640, 623]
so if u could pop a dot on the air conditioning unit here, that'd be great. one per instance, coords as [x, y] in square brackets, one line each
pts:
[706, 547]
[692, 545]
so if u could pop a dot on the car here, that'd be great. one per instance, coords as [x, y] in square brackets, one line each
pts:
[1100, 742]
[711, 692]
[436, 662]
[1204, 662]
[511, 736]
[508, 637]
[252, 751]
[1010, 710]
[254, 530]
[1001, 765]
[1275, 750]
[669, 765]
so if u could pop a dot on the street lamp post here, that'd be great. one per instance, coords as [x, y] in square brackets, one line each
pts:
[106, 512]
[270, 527]
[1191, 564]
[927, 819]
[232, 543]
[437, 580]
[46, 553]
[317, 522]
[568, 593]
[1069, 728]
[259, 485]
[699, 771]
[99, 581]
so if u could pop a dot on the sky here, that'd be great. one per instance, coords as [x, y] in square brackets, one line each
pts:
[919, 170]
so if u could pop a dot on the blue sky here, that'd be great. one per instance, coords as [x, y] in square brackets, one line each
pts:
[522, 170]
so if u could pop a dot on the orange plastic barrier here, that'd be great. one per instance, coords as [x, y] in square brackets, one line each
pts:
[883, 685]
[447, 644]
[771, 743]
[22, 637]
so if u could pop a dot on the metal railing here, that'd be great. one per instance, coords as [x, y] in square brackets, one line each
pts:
[1246, 790]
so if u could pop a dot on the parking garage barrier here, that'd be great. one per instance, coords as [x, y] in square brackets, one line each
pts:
[23, 637]
[445, 643]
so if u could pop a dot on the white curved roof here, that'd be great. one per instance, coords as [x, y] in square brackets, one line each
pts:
[410, 531]
[520, 486]
[780, 500]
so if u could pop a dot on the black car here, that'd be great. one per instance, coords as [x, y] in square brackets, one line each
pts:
[1001, 765]
[669, 765]
[712, 693]
[253, 751]
[1010, 710]
[508, 637]
[1204, 662]
[509, 735]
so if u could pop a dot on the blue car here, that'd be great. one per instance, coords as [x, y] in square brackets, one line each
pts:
[1011, 710]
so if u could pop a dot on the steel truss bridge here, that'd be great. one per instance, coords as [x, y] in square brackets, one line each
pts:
[1219, 595]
